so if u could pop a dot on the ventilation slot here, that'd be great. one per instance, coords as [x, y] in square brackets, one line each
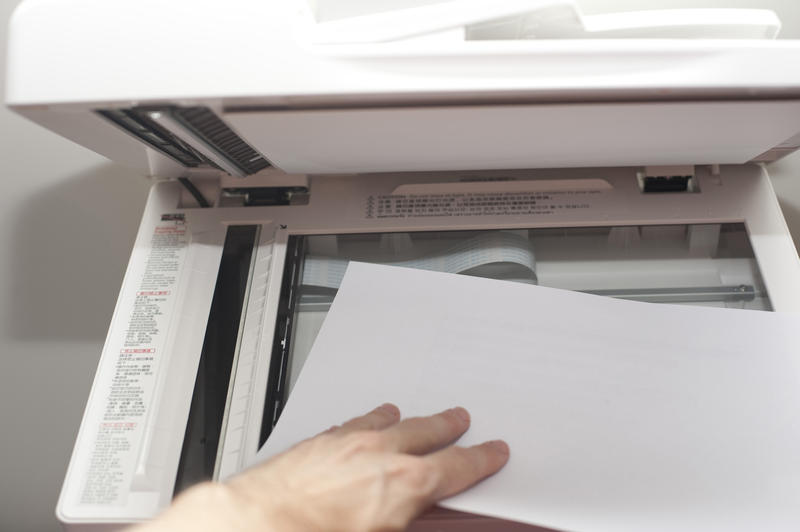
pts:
[207, 125]
[192, 136]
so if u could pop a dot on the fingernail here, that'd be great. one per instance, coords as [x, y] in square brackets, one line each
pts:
[462, 413]
[390, 408]
[500, 446]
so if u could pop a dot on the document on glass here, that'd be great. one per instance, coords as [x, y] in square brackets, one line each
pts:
[621, 416]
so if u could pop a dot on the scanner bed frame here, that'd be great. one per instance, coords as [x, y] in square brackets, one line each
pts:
[263, 248]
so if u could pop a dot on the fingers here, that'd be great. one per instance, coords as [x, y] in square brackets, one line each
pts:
[382, 417]
[421, 435]
[461, 467]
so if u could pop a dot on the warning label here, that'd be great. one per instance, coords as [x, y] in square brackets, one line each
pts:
[476, 204]
[132, 371]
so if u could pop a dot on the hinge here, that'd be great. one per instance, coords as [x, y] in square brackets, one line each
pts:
[667, 179]
[266, 188]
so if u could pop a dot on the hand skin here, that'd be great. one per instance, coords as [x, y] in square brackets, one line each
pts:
[373, 473]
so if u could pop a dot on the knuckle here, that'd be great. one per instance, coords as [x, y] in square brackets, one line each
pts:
[388, 413]
[323, 438]
[365, 440]
[305, 447]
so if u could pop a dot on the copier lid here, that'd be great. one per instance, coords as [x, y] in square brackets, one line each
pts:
[282, 51]
[407, 101]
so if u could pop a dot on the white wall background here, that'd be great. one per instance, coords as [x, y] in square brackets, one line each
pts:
[68, 218]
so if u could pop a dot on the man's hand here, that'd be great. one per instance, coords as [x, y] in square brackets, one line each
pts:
[373, 473]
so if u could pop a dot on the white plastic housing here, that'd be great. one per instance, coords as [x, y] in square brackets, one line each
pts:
[243, 58]
[146, 456]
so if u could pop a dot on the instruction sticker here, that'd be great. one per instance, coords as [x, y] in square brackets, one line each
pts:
[132, 371]
[476, 204]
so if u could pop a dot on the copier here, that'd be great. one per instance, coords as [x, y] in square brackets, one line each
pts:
[620, 154]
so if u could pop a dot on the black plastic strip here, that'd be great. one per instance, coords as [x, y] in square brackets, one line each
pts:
[281, 343]
[204, 424]
[140, 126]
[194, 191]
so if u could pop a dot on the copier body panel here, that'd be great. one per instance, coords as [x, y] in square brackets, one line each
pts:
[725, 244]
[302, 137]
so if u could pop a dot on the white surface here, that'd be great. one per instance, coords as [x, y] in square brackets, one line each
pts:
[58, 76]
[531, 19]
[518, 136]
[613, 425]
[182, 268]
[341, 204]
[419, 20]
[57, 58]
[68, 219]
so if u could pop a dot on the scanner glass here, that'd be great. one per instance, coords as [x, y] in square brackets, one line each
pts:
[710, 264]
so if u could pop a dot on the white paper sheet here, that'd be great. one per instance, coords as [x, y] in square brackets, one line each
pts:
[621, 416]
